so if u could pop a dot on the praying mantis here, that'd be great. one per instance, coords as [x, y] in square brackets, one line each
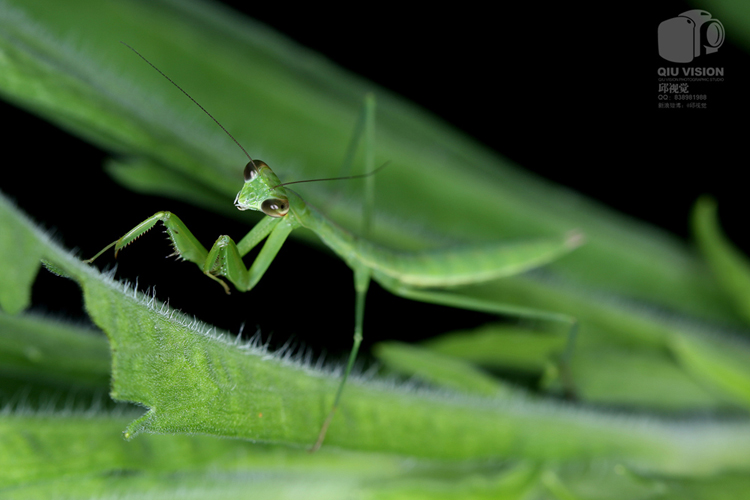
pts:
[430, 276]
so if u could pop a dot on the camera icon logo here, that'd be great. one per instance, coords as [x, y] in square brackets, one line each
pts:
[691, 34]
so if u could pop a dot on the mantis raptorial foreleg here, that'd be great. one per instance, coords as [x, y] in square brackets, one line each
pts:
[225, 257]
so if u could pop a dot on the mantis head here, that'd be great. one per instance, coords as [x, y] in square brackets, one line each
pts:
[261, 191]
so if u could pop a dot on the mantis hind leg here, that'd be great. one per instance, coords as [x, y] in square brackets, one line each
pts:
[364, 128]
[369, 195]
[560, 369]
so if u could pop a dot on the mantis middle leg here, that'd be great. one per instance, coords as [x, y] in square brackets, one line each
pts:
[362, 274]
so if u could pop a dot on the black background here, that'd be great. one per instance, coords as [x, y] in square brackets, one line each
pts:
[569, 93]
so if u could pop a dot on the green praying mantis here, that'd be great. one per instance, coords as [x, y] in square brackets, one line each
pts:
[431, 276]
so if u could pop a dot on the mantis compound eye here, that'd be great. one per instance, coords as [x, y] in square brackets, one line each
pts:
[275, 207]
[252, 168]
[251, 172]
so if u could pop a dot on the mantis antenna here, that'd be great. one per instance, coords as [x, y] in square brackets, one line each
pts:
[348, 177]
[238, 142]
[194, 101]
